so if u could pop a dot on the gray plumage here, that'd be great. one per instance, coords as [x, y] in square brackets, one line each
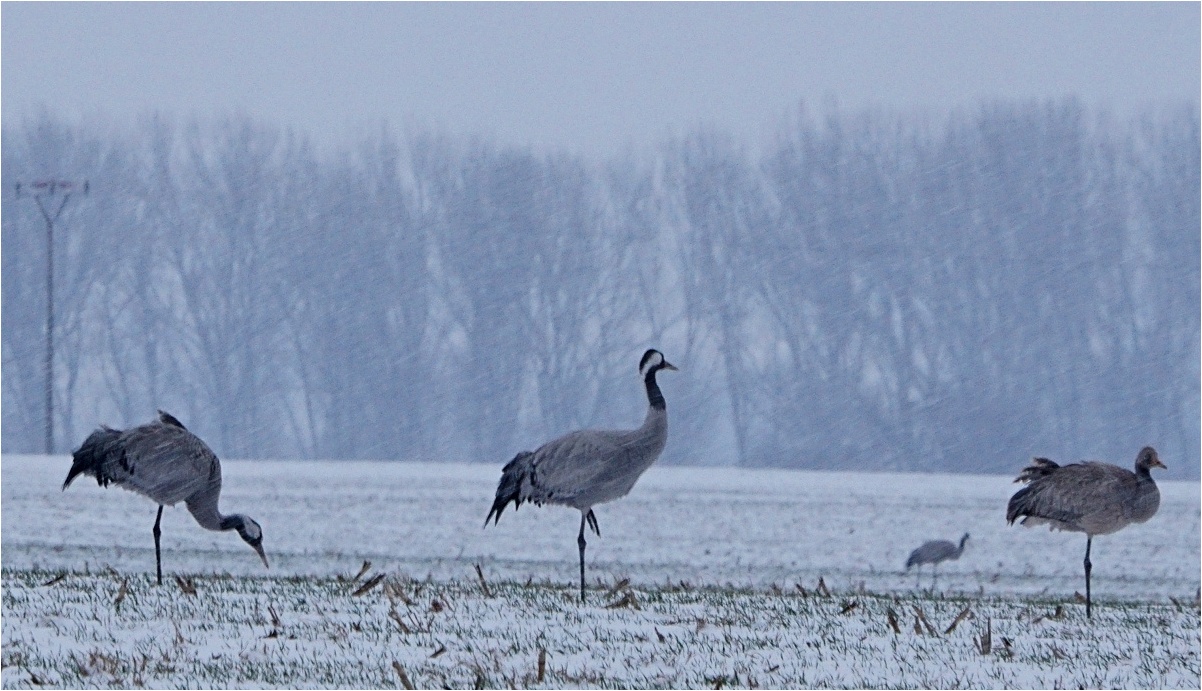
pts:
[936, 551]
[1089, 497]
[588, 467]
[166, 463]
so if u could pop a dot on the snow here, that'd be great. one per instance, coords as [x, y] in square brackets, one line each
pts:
[698, 525]
[764, 532]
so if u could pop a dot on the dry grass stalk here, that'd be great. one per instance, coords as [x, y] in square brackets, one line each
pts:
[628, 600]
[542, 665]
[362, 570]
[618, 587]
[186, 584]
[483, 583]
[822, 589]
[984, 642]
[394, 592]
[801, 589]
[1057, 615]
[959, 618]
[54, 580]
[1007, 650]
[121, 593]
[922, 616]
[849, 606]
[400, 672]
[396, 616]
[441, 649]
[275, 618]
[371, 583]
[892, 617]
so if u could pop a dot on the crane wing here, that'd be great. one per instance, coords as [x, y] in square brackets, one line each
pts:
[1063, 498]
[571, 465]
[166, 463]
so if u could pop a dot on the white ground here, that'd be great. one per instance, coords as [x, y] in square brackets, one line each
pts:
[704, 527]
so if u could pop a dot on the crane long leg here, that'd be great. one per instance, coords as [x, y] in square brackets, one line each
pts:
[580, 541]
[158, 555]
[1088, 568]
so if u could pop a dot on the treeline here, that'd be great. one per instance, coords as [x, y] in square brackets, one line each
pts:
[871, 291]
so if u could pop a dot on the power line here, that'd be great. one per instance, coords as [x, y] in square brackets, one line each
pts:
[43, 192]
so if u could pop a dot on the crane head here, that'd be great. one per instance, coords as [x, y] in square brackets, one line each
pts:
[250, 531]
[653, 361]
[1148, 458]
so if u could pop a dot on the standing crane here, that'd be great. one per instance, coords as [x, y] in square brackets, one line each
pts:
[162, 460]
[934, 551]
[588, 467]
[1090, 497]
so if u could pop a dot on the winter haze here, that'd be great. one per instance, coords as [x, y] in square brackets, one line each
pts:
[918, 237]
[583, 77]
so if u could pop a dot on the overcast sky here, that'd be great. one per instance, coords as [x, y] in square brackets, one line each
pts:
[589, 78]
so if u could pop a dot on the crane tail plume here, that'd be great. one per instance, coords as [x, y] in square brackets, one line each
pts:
[1022, 504]
[1039, 467]
[89, 459]
[509, 489]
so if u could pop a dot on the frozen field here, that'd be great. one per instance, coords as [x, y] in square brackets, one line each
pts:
[314, 632]
[702, 526]
[713, 557]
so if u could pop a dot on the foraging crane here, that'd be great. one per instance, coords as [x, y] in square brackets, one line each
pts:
[1092, 498]
[588, 467]
[935, 551]
[162, 460]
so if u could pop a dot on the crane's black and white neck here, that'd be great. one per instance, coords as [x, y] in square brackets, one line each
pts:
[653, 361]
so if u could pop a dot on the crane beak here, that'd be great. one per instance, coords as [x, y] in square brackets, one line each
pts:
[259, 549]
[668, 365]
[1157, 464]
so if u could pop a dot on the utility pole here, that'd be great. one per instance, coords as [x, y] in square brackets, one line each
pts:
[48, 190]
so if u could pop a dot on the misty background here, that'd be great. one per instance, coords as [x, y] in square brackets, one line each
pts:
[855, 282]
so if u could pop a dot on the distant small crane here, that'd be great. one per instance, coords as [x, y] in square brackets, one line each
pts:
[162, 460]
[588, 467]
[933, 552]
[1090, 497]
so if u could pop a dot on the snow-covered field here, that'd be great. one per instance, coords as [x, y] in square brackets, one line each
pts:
[713, 556]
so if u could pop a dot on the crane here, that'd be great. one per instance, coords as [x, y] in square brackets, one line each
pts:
[1089, 497]
[935, 551]
[588, 467]
[165, 462]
